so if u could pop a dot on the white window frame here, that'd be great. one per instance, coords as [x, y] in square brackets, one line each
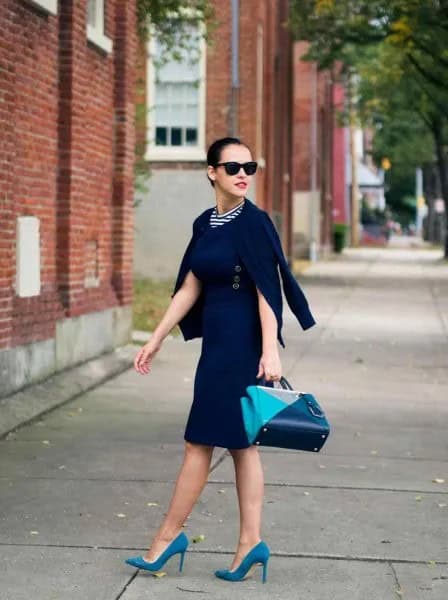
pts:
[175, 153]
[49, 6]
[95, 34]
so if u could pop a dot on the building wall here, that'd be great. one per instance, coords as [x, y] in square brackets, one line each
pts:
[66, 159]
[178, 191]
[340, 201]
[312, 179]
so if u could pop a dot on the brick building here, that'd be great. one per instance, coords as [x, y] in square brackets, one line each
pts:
[241, 85]
[66, 183]
[319, 158]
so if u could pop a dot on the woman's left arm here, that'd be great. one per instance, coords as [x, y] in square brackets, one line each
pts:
[270, 366]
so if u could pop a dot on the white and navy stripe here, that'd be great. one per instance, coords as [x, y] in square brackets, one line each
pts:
[217, 219]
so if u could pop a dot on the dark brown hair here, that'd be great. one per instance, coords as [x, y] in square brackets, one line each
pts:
[215, 150]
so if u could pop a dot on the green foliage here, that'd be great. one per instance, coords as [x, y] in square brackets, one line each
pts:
[398, 50]
[168, 18]
[338, 29]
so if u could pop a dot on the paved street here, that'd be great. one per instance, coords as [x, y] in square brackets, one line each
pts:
[367, 519]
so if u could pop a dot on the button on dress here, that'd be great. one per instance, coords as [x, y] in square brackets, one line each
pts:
[231, 341]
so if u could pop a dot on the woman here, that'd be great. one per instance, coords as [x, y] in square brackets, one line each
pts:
[227, 292]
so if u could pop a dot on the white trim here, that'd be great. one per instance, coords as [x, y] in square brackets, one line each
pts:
[99, 39]
[176, 153]
[95, 33]
[49, 6]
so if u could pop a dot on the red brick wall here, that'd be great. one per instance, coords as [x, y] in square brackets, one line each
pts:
[66, 157]
[29, 163]
[124, 146]
[302, 120]
[339, 151]
[302, 116]
[219, 76]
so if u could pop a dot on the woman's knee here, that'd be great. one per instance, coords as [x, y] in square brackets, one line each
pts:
[238, 454]
[192, 449]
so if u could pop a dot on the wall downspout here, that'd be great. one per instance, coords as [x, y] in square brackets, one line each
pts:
[234, 122]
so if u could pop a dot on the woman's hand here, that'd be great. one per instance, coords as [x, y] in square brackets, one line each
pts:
[270, 366]
[179, 306]
[143, 360]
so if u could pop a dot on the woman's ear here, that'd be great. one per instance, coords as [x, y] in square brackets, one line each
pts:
[211, 173]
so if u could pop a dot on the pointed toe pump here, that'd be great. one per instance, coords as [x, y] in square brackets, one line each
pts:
[178, 546]
[259, 555]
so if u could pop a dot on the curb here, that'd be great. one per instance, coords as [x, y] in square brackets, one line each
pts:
[31, 402]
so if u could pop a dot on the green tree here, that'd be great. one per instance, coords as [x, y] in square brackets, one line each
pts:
[168, 19]
[399, 48]
[387, 102]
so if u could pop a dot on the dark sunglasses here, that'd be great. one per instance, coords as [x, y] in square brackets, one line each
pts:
[232, 168]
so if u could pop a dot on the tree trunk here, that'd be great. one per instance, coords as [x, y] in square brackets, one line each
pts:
[442, 165]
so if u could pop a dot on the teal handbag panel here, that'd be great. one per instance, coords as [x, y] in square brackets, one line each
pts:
[258, 408]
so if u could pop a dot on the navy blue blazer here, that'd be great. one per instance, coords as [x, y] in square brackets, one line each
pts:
[259, 248]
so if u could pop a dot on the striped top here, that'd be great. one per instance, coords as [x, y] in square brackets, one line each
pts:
[217, 219]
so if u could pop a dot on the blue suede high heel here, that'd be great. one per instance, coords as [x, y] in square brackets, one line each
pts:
[258, 555]
[178, 546]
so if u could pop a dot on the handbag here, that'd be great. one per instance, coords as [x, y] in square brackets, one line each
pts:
[283, 418]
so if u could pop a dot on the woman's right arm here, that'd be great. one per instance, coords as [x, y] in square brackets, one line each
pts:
[180, 304]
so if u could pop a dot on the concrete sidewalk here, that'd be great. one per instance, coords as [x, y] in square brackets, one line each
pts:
[366, 519]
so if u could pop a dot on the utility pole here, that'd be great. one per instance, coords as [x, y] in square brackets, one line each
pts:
[354, 162]
[420, 202]
[314, 208]
[235, 56]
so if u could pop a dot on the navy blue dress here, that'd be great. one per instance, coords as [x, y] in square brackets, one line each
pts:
[231, 342]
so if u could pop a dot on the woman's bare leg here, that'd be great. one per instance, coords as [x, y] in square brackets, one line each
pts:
[190, 482]
[250, 488]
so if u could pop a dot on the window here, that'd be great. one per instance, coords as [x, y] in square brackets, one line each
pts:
[95, 25]
[176, 96]
[49, 6]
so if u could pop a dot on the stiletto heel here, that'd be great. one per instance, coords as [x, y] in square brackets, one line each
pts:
[178, 546]
[258, 555]
[265, 571]
[181, 563]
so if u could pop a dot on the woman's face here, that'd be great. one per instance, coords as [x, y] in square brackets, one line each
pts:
[232, 185]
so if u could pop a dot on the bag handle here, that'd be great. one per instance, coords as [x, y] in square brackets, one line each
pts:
[284, 383]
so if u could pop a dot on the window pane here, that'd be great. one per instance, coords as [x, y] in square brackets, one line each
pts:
[176, 136]
[161, 136]
[191, 137]
[191, 118]
[176, 108]
[162, 115]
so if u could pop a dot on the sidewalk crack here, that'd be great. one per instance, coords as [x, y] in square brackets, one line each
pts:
[127, 584]
[399, 590]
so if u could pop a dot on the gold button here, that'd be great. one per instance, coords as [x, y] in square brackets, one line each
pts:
[237, 268]
[236, 286]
